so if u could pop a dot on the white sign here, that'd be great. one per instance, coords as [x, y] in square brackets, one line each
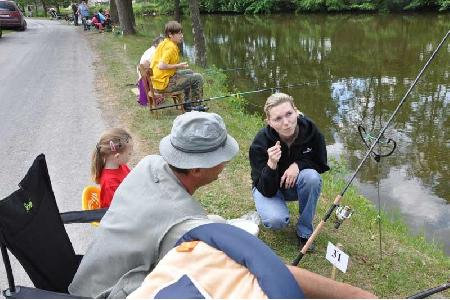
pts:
[338, 258]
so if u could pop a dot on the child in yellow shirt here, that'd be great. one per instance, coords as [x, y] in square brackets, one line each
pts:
[169, 75]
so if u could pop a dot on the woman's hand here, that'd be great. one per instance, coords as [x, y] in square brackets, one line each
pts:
[290, 176]
[274, 154]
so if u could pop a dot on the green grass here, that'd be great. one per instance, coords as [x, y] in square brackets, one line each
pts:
[409, 263]
[6, 31]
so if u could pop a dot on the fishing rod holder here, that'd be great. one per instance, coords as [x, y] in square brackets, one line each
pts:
[342, 213]
[367, 139]
[368, 153]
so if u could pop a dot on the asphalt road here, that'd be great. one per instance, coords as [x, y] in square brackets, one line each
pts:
[48, 105]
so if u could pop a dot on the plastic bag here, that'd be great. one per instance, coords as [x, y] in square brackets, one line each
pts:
[248, 222]
[252, 216]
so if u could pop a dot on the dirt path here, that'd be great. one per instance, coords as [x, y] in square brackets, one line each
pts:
[48, 105]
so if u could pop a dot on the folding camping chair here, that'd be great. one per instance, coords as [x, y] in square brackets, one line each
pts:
[155, 98]
[32, 228]
[90, 199]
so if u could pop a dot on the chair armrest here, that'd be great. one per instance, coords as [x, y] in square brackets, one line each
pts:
[83, 216]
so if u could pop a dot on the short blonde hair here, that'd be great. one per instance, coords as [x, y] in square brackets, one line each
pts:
[277, 99]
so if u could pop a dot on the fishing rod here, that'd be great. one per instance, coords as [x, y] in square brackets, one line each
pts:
[240, 94]
[224, 70]
[429, 292]
[338, 198]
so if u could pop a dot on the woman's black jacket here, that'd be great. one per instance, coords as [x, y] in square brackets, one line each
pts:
[308, 151]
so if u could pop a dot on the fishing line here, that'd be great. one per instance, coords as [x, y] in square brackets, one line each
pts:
[369, 152]
[378, 190]
[272, 89]
[225, 70]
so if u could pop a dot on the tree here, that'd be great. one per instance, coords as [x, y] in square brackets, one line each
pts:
[177, 13]
[199, 38]
[126, 16]
[113, 12]
[44, 5]
[177, 16]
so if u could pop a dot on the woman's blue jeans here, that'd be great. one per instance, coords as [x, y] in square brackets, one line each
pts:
[274, 211]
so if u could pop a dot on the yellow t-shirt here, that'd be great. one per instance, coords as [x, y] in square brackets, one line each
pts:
[167, 52]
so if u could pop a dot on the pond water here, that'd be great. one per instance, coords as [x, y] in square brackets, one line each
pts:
[351, 70]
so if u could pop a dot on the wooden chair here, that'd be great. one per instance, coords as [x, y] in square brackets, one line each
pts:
[155, 98]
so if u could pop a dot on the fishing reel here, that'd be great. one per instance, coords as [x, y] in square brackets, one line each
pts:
[342, 213]
[385, 146]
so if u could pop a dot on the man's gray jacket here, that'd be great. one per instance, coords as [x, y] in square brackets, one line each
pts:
[149, 202]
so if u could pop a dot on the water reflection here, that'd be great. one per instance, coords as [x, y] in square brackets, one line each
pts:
[423, 212]
[359, 67]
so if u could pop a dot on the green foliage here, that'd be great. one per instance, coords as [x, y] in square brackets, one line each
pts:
[310, 5]
[239, 6]
[267, 6]
[262, 6]
[146, 9]
[335, 5]
[97, 7]
[365, 6]
[414, 5]
[162, 6]
[444, 5]
[427, 4]
[152, 7]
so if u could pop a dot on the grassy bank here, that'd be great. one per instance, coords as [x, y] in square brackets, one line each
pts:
[409, 263]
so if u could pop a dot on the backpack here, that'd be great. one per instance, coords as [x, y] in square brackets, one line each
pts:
[219, 261]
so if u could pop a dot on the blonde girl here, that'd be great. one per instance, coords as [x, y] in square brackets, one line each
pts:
[109, 162]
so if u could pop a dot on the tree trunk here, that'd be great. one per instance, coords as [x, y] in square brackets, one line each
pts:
[177, 16]
[113, 12]
[126, 16]
[44, 5]
[35, 8]
[199, 38]
[177, 12]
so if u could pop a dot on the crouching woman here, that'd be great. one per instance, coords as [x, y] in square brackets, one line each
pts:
[287, 158]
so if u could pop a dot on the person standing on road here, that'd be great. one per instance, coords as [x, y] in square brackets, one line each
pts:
[75, 14]
[30, 11]
[83, 11]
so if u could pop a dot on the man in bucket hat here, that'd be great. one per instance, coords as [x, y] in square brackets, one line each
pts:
[153, 207]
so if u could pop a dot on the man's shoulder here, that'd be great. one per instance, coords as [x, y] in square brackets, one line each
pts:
[152, 165]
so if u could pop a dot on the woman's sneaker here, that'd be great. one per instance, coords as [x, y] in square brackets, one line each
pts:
[302, 243]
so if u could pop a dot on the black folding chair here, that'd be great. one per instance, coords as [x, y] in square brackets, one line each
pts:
[32, 228]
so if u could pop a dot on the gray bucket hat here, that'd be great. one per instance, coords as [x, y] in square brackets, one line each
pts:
[198, 140]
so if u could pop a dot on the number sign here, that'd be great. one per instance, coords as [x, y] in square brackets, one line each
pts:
[337, 257]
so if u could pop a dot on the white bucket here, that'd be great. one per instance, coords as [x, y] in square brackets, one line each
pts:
[246, 225]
